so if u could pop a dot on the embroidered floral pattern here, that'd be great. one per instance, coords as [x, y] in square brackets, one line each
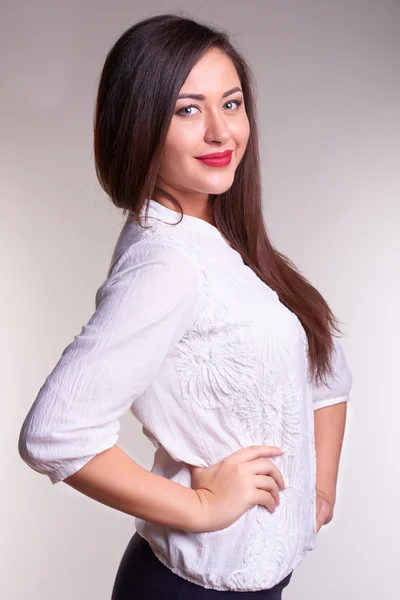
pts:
[221, 370]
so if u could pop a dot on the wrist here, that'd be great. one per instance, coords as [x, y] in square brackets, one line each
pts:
[198, 516]
[330, 495]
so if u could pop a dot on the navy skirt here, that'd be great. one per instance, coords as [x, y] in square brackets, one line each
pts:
[142, 576]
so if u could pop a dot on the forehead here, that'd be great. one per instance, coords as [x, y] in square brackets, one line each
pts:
[214, 72]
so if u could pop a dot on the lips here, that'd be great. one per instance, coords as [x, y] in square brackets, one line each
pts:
[217, 159]
[216, 155]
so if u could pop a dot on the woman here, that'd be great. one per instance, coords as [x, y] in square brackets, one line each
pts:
[203, 330]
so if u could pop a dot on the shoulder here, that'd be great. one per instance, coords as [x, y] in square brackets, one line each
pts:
[154, 261]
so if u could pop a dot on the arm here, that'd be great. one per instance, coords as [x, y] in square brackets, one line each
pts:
[114, 479]
[143, 308]
[330, 409]
[329, 423]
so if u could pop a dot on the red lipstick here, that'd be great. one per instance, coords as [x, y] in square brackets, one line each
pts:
[217, 159]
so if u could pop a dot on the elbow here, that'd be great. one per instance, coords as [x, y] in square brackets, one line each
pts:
[25, 445]
[32, 449]
[60, 453]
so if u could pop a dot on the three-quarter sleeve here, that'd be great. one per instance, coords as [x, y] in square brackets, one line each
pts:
[340, 383]
[142, 309]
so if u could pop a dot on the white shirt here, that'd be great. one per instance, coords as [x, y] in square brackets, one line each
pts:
[206, 357]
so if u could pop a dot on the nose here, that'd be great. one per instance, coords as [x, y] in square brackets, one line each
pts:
[216, 128]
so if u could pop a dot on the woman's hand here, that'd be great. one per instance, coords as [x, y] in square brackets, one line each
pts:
[228, 489]
[324, 508]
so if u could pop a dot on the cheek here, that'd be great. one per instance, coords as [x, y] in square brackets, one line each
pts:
[175, 155]
[242, 137]
[171, 153]
[245, 131]
[241, 130]
[176, 151]
[181, 140]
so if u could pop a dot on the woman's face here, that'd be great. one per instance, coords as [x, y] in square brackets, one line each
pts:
[203, 126]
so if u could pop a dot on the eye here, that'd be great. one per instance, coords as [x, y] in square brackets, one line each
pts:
[182, 114]
[185, 108]
[238, 103]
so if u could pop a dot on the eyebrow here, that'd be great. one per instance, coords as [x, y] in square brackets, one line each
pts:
[201, 97]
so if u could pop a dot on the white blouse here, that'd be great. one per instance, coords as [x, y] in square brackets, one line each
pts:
[207, 358]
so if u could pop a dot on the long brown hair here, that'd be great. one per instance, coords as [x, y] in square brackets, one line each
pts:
[139, 83]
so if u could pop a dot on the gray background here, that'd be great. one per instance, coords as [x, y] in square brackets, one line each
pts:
[328, 101]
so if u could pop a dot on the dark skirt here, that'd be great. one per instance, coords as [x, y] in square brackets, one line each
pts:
[142, 576]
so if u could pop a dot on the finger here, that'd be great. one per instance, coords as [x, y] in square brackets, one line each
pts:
[253, 452]
[267, 467]
[264, 499]
[267, 483]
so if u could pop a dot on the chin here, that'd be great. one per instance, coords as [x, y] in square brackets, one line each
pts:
[220, 187]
